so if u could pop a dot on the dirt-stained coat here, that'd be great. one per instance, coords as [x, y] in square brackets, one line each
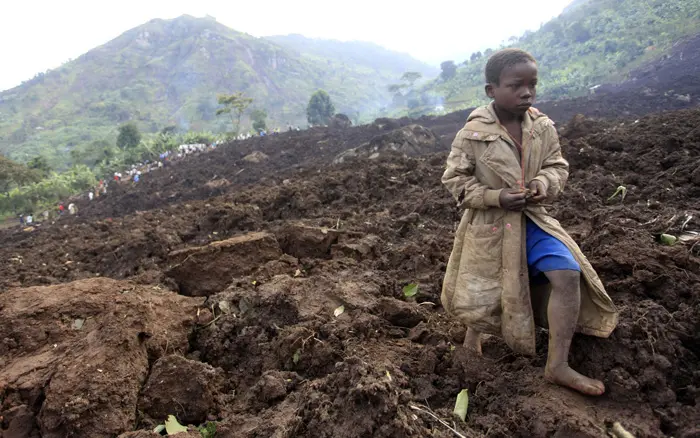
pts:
[486, 285]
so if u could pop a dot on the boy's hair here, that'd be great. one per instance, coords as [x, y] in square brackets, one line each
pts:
[504, 59]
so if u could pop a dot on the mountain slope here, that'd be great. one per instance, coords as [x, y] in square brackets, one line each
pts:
[358, 53]
[169, 72]
[591, 41]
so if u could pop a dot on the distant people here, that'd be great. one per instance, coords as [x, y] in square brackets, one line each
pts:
[21, 220]
[137, 177]
[29, 219]
[61, 209]
[91, 195]
[72, 209]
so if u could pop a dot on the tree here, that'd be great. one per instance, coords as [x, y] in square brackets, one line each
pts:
[235, 103]
[129, 136]
[41, 165]
[449, 70]
[411, 77]
[258, 116]
[320, 108]
[15, 174]
[474, 57]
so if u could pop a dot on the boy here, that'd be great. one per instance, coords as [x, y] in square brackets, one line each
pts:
[503, 164]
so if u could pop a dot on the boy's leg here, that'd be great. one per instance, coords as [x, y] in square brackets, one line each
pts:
[472, 341]
[562, 313]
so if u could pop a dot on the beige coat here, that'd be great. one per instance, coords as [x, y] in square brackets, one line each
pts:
[486, 285]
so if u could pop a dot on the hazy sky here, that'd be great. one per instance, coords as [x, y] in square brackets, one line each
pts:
[43, 34]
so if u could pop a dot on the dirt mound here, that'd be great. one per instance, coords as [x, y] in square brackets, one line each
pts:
[306, 331]
[411, 140]
[207, 269]
[340, 121]
[74, 356]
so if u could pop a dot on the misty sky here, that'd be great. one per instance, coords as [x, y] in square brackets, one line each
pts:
[43, 34]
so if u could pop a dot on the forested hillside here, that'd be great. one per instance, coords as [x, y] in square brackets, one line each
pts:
[590, 42]
[169, 73]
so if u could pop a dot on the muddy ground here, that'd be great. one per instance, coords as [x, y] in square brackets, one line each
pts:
[211, 292]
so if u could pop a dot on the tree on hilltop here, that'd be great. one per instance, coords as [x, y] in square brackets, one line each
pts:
[235, 103]
[320, 108]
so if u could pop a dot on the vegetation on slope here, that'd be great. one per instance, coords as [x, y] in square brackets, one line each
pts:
[169, 72]
[590, 42]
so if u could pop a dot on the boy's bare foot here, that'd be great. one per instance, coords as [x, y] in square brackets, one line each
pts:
[472, 341]
[565, 376]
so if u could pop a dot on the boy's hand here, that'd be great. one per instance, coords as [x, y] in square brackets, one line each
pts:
[538, 193]
[512, 199]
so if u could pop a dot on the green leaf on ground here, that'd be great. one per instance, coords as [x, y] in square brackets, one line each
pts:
[462, 404]
[410, 290]
[668, 239]
[172, 426]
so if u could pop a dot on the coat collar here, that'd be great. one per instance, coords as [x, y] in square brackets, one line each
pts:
[484, 119]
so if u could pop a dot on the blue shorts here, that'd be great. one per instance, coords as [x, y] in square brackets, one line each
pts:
[546, 253]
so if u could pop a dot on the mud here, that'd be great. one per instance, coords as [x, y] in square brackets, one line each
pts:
[296, 324]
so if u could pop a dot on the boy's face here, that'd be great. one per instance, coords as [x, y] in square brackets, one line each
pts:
[517, 88]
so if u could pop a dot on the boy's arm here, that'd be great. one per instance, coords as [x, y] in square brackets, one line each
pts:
[555, 169]
[460, 180]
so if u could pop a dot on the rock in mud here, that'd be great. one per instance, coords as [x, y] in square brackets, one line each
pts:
[181, 387]
[411, 140]
[83, 380]
[256, 157]
[204, 270]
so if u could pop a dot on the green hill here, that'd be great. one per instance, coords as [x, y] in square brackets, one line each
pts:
[169, 72]
[592, 41]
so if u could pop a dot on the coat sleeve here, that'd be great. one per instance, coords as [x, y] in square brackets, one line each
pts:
[555, 169]
[460, 180]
